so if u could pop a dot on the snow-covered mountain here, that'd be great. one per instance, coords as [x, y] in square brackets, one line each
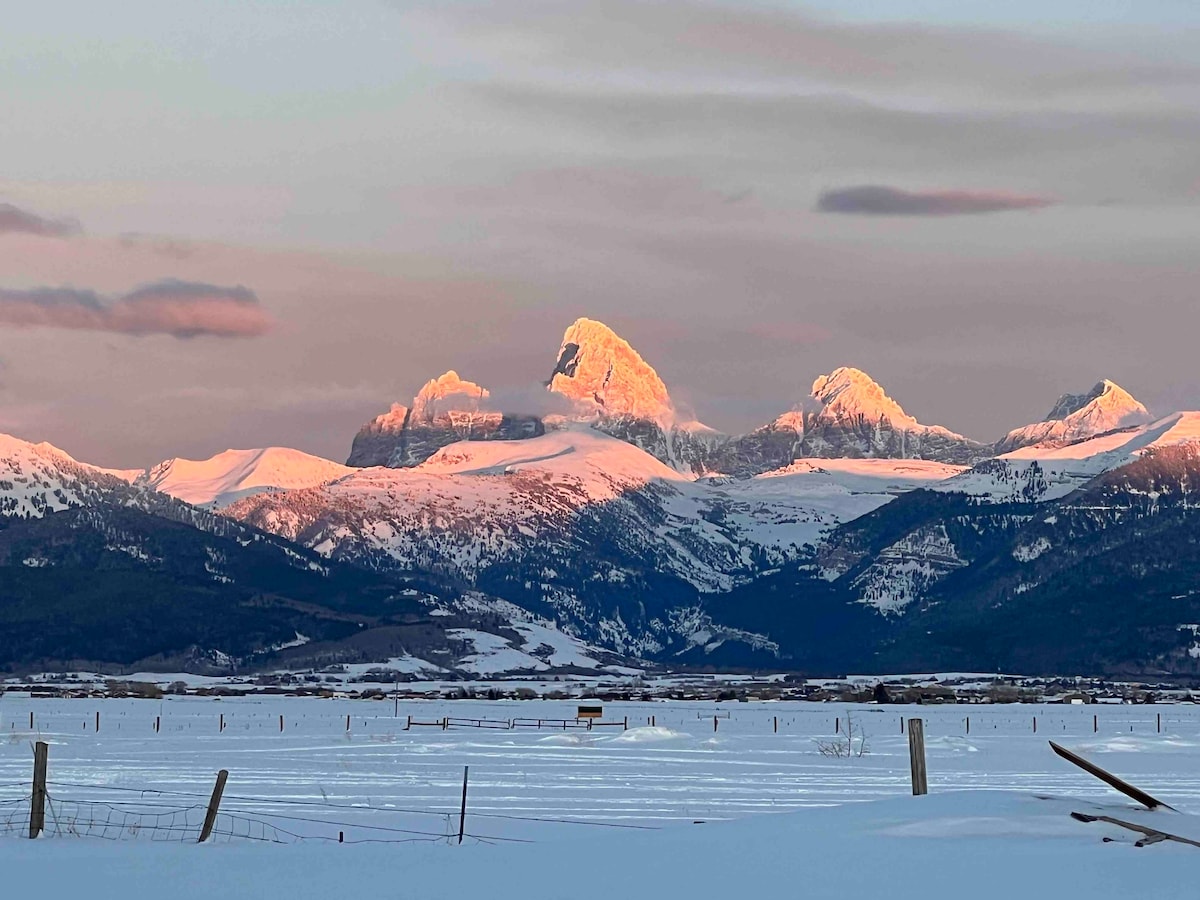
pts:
[1047, 471]
[38, 479]
[617, 392]
[550, 521]
[446, 410]
[1077, 417]
[234, 474]
[848, 415]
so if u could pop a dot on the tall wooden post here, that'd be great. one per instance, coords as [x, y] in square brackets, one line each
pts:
[37, 810]
[916, 756]
[462, 815]
[210, 818]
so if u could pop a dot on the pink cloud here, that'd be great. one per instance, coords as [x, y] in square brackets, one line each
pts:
[181, 309]
[880, 200]
[14, 220]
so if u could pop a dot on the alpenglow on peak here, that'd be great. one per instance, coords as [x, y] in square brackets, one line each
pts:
[1077, 417]
[603, 375]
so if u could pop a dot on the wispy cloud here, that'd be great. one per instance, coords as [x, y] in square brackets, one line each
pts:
[182, 309]
[879, 200]
[14, 220]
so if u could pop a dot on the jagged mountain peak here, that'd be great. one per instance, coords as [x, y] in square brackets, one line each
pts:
[446, 409]
[1077, 417]
[850, 415]
[849, 393]
[603, 375]
[440, 394]
[1106, 395]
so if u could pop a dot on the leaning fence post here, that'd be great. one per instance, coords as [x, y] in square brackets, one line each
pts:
[462, 815]
[916, 756]
[210, 818]
[37, 809]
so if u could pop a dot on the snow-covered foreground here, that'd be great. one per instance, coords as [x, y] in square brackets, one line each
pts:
[982, 831]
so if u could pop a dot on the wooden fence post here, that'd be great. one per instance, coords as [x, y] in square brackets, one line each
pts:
[776, 725]
[714, 724]
[1095, 723]
[916, 756]
[210, 818]
[968, 724]
[462, 815]
[1160, 723]
[97, 721]
[37, 810]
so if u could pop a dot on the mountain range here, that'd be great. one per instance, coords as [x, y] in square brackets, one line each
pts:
[464, 538]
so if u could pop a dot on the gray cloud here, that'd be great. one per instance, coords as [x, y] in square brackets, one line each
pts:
[14, 220]
[880, 200]
[182, 309]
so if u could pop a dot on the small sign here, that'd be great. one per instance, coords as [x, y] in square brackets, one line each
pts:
[590, 712]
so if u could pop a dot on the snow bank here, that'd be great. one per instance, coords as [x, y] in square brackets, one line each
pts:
[648, 734]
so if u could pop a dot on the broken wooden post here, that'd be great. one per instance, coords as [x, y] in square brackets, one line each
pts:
[916, 756]
[462, 815]
[37, 809]
[1108, 778]
[214, 804]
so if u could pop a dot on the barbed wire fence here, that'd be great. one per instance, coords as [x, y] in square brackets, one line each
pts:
[160, 815]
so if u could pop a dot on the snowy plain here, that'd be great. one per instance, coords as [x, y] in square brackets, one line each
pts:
[742, 809]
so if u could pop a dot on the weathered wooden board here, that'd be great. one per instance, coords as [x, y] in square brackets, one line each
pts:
[1109, 778]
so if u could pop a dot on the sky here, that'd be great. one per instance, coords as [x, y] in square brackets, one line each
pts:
[243, 224]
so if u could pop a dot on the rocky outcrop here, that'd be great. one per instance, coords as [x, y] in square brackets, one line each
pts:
[1077, 417]
[849, 416]
[446, 410]
[617, 392]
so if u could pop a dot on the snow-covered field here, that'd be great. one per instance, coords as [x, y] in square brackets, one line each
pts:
[394, 794]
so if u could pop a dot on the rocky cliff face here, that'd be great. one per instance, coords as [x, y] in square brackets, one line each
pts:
[848, 416]
[446, 410]
[619, 393]
[1077, 417]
